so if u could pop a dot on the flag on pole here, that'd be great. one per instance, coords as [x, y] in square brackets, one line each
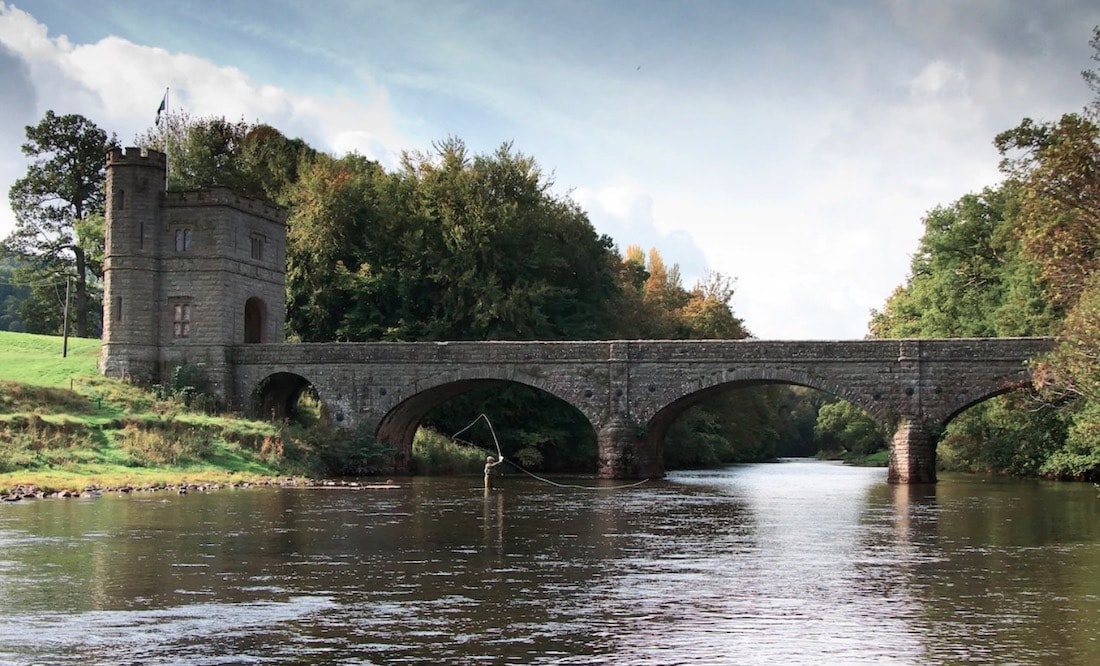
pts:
[163, 106]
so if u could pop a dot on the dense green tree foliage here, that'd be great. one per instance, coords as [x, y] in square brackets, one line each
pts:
[846, 430]
[58, 208]
[485, 251]
[968, 278]
[339, 208]
[12, 293]
[253, 159]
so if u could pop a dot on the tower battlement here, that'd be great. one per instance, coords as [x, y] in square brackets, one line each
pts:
[136, 156]
[223, 196]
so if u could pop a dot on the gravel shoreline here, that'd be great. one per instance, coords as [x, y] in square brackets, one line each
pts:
[30, 492]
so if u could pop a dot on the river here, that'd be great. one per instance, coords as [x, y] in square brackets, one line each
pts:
[791, 562]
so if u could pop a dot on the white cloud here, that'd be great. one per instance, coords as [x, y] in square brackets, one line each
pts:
[118, 84]
[937, 78]
[627, 203]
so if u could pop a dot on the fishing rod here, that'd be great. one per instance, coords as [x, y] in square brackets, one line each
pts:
[500, 457]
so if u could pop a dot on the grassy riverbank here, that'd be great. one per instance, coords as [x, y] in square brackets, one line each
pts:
[876, 459]
[64, 427]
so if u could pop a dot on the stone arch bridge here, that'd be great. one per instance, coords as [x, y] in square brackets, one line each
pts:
[631, 391]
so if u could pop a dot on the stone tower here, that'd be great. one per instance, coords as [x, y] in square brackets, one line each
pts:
[187, 275]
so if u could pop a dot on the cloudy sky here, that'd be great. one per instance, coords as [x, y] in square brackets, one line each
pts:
[794, 146]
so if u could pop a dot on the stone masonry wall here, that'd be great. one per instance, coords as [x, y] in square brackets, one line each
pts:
[208, 252]
[644, 385]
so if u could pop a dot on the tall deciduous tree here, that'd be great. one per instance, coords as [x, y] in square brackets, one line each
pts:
[253, 159]
[1057, 166]
[968, 277]
[58, 207]
[338, 209]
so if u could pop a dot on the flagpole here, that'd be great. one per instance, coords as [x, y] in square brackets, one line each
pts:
[167, 140]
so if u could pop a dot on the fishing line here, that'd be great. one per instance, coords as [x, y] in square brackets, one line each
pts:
[500, 456]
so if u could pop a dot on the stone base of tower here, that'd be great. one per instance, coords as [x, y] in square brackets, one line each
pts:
[129, 362]
[146, 365]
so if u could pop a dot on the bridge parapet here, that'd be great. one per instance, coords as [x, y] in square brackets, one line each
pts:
[631, 391]
[422, 352]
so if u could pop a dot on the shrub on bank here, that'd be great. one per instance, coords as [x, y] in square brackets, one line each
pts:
[437, 454]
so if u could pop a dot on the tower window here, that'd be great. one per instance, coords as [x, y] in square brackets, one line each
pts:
[181, 326]
[257, 247]
[183, 240]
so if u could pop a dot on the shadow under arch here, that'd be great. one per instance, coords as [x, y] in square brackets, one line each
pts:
[676, 396]
[276, 396]
[398, 427]
[657, 428]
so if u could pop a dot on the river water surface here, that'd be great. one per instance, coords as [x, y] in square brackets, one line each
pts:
[791, 562]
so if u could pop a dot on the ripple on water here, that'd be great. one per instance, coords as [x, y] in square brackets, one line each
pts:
[134, 636]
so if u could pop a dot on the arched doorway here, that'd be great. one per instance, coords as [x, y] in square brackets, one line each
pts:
[254, 312]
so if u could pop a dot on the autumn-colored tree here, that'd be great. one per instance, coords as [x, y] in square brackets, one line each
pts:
[1057, 169]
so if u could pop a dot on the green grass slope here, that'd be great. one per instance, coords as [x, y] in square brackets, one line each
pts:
[64, 427]
[36, 359]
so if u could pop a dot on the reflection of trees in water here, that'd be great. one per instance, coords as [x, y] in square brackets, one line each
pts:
[999, 567]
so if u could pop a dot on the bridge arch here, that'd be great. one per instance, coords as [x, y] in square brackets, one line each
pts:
[276, 395]
[398, 425]
[656, 427]
[443, 386]
[672, 401]
[972, 396]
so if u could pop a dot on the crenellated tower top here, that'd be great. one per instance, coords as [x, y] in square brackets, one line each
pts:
[136, 157]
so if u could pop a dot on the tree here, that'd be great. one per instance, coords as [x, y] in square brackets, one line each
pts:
[707, 314]
[58, 207]
[338, 208]
[466, 247]
[12, 294]
[1092, 76]
[843, 427]
[1057, 168]
[253, 159]
[968, 277]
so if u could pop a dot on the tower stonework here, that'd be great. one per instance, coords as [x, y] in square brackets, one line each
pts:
[187, 275]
